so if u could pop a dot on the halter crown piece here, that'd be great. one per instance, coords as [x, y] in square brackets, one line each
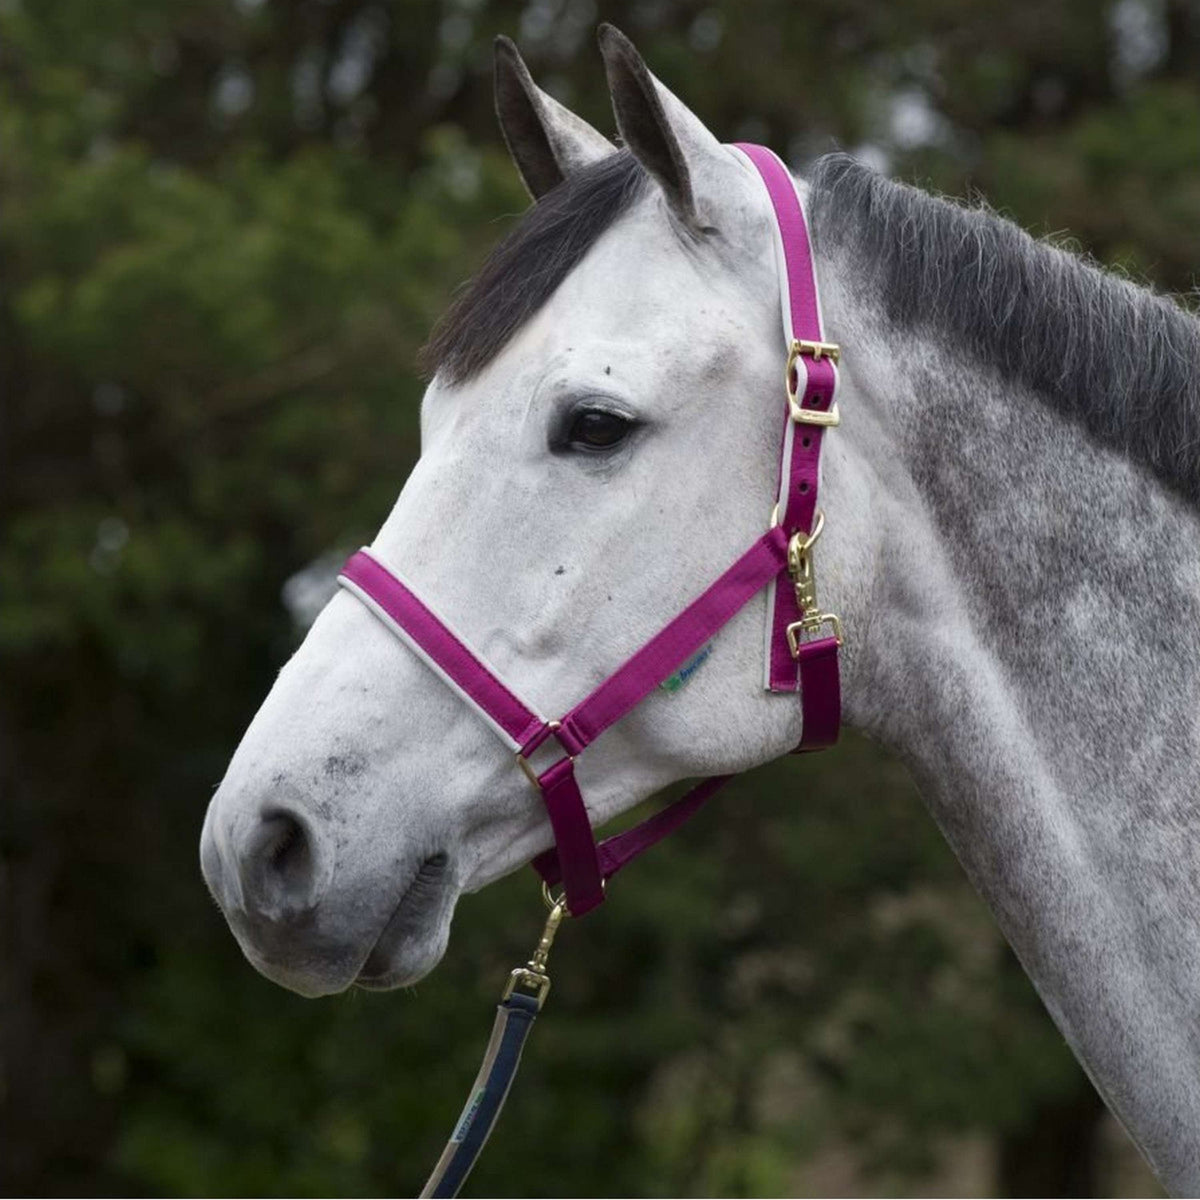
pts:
[780, 561]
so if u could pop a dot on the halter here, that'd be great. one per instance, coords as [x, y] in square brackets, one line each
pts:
[795, 660]
[546, 749]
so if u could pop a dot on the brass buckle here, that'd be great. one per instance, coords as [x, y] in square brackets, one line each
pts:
[816, 351]
[523, 762]
[812, 625]
[528, 981]
[814, 416]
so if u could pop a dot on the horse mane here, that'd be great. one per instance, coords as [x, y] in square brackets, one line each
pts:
[1120, 359]
[1116, 357]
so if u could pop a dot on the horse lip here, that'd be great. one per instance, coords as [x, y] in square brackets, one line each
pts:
[417, 906]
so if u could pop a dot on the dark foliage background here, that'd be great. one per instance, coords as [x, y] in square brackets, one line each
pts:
[225, 228]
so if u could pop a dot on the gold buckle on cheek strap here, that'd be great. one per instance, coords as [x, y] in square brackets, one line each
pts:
[816, 351]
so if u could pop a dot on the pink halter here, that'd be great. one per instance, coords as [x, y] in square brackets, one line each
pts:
[811, 666]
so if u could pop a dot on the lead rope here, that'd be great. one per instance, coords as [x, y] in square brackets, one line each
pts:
[522, 1000]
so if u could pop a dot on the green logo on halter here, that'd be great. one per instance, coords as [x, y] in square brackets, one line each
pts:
[674, 682]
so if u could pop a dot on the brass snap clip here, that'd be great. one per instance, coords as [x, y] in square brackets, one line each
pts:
[533, 977]
[804, 581]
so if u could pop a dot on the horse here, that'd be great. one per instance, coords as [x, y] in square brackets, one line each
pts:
[1013, 544]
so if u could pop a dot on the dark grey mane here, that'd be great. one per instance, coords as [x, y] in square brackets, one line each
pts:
[1123, 361]
[1116, 357]
[525, 269]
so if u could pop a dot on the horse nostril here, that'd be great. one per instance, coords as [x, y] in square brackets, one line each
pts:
[286, 850]
[281, 876]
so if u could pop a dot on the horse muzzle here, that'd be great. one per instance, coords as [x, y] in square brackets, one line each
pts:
[272, 873]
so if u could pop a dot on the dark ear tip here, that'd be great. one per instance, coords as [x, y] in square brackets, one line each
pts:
[617, 50]
[509, 66]
[610, 37]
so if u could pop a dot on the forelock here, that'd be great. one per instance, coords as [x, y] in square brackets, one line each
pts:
[526, 268]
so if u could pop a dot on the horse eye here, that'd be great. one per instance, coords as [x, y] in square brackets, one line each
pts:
[598, 429]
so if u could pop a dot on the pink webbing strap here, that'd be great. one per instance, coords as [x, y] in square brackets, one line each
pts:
[676, 642]
[814, 671]
[616, 851]
[627, 687]
[816, 387]
[821, 695]
[464, 671]
[441, 649]
[574, 845]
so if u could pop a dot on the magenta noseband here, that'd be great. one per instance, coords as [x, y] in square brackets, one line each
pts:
[795, 660]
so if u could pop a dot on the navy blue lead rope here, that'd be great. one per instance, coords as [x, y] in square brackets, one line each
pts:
[515, 1015]
[514, 1019]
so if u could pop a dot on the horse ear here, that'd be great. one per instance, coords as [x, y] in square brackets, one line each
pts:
[663, 134]
[547, 141]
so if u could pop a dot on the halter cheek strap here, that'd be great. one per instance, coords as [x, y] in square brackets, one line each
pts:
[781, 560]
[811, 380]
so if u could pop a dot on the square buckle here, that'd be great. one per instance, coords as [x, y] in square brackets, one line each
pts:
[816, 351]
[811, 625]
[813, 416]
[535, 983]
[526, 766]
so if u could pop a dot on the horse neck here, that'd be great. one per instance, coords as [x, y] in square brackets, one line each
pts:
[1032, 655]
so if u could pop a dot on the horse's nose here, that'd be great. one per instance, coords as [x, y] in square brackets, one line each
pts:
[274, 864]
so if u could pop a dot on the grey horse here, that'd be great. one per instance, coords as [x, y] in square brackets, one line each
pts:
[1012, 541]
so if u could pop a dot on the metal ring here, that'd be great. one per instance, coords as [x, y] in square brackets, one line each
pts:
[810, 538]
[553, 901]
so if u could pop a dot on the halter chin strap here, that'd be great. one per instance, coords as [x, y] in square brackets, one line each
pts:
[781, 560]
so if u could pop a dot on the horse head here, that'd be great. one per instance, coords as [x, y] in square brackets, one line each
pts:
[599, 440]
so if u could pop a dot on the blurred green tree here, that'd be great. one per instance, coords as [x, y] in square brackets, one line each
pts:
[225, 227]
